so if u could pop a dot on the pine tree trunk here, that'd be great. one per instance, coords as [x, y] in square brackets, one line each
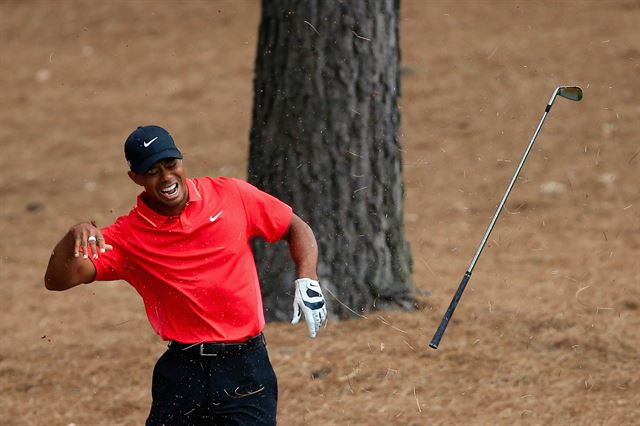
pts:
[324, 139]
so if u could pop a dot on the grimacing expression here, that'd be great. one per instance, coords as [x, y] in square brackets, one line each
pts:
[165, 186]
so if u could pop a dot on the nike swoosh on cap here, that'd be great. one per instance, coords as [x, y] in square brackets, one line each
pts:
[146, 144]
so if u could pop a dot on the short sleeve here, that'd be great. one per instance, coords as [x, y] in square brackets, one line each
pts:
[110, 264]
[267, 216]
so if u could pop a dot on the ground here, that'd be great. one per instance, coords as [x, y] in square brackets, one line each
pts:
[548, 329]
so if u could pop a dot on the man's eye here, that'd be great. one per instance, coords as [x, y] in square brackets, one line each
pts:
[171, 164]
[152, 172]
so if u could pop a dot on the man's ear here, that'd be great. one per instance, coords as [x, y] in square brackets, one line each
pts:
[136, 178]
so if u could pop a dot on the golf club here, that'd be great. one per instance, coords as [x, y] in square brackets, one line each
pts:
[573, 93]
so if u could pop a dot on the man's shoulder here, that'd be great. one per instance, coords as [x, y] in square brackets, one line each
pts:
[218, 183]
[120, 226]
[126, 220]
[220, 180]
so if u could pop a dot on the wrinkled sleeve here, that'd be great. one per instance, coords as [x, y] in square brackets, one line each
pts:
[110, 266]
[267, 217]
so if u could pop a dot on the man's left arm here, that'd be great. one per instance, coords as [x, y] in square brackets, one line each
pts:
[308, 298]
[303, 248]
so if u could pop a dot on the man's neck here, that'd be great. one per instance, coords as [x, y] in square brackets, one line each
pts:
[163, 209]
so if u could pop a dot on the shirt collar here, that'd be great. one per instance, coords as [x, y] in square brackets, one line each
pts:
[155, 218]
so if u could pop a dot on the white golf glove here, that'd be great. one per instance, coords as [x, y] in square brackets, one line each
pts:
[309, 301]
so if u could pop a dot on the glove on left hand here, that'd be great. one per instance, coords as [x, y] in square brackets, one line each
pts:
[309, 301]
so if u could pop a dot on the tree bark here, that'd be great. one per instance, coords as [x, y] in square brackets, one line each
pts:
[324, 139]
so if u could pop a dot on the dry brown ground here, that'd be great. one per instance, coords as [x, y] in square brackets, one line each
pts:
[548, 331]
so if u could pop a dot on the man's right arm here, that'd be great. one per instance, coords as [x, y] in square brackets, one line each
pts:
[69, 264]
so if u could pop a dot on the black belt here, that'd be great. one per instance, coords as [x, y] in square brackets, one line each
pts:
[218, 348]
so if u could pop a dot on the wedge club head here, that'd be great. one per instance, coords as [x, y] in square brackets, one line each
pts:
[573, 93]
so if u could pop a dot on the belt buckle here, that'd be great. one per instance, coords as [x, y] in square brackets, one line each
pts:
[203, 353]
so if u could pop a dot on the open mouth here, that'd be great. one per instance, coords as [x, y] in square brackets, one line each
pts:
[170, 191]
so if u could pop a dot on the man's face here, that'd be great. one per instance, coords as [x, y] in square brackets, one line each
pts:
[165, 186]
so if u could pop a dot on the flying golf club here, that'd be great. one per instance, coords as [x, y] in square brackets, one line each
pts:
[573, 93]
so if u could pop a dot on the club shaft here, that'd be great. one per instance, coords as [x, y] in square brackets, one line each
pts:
[435, 341]
[509, 188]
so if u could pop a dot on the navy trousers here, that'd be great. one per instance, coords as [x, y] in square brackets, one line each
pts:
[213, 385]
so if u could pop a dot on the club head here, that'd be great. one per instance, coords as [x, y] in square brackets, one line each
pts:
[573, 93]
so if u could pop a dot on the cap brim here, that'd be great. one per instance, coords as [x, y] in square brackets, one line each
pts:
[144, 166]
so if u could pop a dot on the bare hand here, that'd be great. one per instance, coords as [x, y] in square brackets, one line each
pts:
[87, 234]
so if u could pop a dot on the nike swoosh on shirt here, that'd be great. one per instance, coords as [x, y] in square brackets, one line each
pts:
[214, 218]
[146, 144]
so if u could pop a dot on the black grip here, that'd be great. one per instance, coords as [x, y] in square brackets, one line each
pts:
[452, 307]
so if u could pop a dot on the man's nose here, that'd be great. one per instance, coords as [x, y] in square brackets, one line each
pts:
[165, 173]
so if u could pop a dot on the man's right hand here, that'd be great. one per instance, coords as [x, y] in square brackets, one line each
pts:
[87, 234]
[67, 268]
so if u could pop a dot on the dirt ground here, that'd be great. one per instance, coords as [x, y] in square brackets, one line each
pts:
[548, 330]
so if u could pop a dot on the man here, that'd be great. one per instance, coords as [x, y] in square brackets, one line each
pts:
[185, 248]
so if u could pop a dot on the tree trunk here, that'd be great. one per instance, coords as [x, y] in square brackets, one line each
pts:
[324, 139]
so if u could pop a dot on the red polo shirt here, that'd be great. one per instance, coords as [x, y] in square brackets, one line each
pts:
[195, 272]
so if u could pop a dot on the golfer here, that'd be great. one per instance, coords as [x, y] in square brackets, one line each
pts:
[185, 247]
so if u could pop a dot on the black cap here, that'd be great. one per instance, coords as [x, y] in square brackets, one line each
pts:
[146, 146]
